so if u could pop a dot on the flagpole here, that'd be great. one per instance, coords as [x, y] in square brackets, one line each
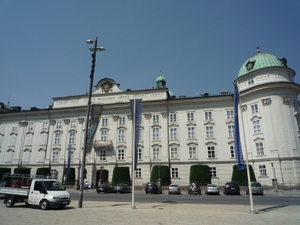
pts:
[133, 151]
[252, 211]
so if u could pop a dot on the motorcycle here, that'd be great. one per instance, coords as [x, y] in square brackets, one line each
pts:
[196, 191]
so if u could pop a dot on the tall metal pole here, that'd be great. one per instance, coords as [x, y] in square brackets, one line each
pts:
[87, 125]
[252, 211]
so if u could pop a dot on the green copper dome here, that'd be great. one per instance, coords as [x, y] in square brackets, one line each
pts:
[160, 78]
[260, 61]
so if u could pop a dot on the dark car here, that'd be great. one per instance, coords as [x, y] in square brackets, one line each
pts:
[153, 188]
[106, 188]
[256, 187]
[122, 188]
[231, 188]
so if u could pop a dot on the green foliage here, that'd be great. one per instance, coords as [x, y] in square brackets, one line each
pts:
[121, 175]
[43, 171]
[161, 172]
[4, 170]
[240, 176]
[71, 177]
[22, 170]
[200, 174]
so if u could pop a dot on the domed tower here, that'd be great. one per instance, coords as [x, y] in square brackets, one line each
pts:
[270, 118]
[160, 82]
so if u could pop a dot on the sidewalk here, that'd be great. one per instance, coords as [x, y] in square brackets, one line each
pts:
[94, 212]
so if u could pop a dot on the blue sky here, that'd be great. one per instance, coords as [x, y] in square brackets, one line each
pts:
[199, 45]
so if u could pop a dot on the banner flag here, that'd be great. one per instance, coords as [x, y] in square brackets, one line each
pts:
[96, 113]
[136, 104]
[69, 160]
[237, 139]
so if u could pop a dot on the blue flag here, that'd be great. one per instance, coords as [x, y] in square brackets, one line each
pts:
[95, 118]
[137, 118]
[69, 160]
[237, 139]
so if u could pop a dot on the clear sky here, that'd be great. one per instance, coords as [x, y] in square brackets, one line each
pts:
[199, 45]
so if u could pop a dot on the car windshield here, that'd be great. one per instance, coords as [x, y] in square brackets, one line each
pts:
[211, 185]
[255, 184]
[53, 186]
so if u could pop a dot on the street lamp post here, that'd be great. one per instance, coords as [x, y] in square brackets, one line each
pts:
[93, 50]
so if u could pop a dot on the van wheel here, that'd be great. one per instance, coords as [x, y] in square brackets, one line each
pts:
[9, 202]
[44, 205]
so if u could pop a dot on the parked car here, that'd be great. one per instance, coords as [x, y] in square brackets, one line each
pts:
[122, 188]
[174, 189]
[212, 189]
[153, 188]
[231, 188]
[87, 185]
[106, 188]
[256, 187]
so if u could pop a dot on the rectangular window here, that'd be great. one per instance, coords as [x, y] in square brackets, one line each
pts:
[140, 154]
[155, 153]
[14, 128]
[173, 117]
[213, 171]
[250, 81]
[192, 152]
[45, 125]
[211, 152]
[102, 155]
[232, 153]
[104, 121]
[230, 130]
[155, 133]
[28, 139]
[190, 116]
[121, 154]
[229, 114]
[55, 156]
[259, 148]
[58, 125]
[138, 173]
[26, 156]
[256, 127]
[174, 153]
[72, 137]
[57, 139]
[121, 135]
[173, 133]
[191, 132]
[208, 115]
[9, 156]
[30, 127]
[175, 172]
[262, 170]
[254, 108]
[73, 123]
[104, 134]
[209, 132]
[122, 121]
[155, 118]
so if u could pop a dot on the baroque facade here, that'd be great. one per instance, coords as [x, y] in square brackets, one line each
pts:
[176, 131]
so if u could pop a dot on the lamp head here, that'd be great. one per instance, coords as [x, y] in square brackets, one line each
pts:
[89, 41]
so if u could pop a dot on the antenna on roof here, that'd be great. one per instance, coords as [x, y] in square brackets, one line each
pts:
[8, 100]
[257, 49]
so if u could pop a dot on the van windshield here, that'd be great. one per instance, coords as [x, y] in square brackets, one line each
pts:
[53, 186]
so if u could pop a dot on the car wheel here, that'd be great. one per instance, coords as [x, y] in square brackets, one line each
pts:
[9, 202]
[62, 206]
[44, 205]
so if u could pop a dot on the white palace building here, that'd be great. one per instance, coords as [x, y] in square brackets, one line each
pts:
[177, 131]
